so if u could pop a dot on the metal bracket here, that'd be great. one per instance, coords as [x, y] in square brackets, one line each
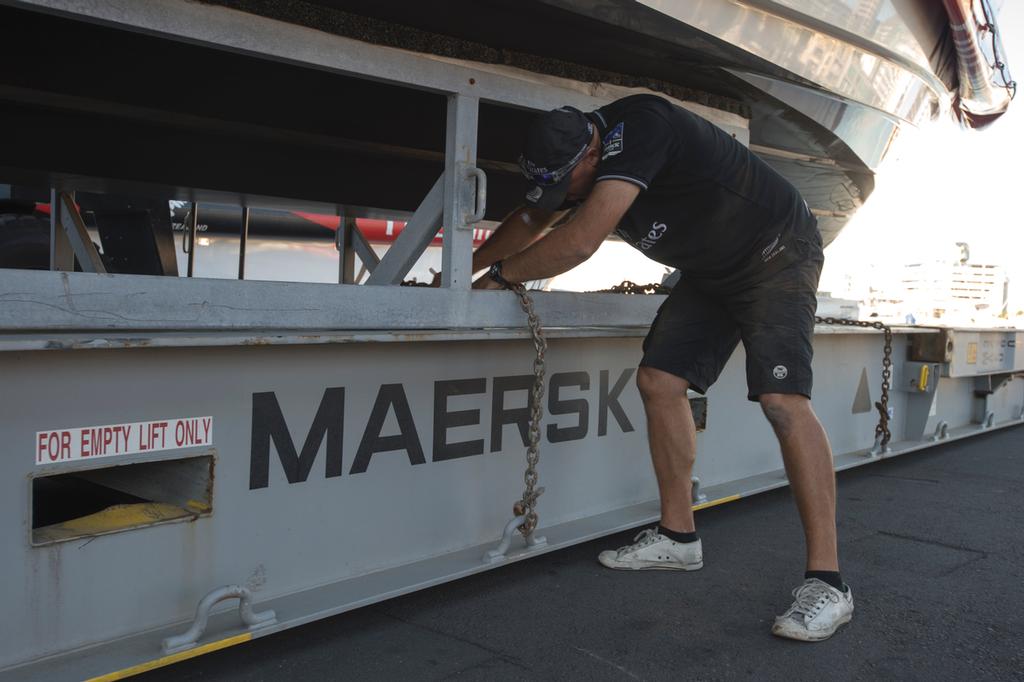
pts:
[499, 553]
[1020, 413]
[988, 421]
[877, 450]
[254, 619]
[696, 496]
[480, 204]
[941, 432]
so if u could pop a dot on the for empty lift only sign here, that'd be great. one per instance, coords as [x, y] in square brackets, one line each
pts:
[87, 442]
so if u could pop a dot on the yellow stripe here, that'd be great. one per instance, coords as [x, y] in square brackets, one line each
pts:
[713, 503]
[173, 658]
[238, 639]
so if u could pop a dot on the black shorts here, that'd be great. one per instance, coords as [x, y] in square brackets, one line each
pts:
[700, 324]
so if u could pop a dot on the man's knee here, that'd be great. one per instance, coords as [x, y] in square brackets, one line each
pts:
[655, 384]
[781, 409]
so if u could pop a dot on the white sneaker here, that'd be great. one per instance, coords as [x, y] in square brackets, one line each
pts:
[652, 550]
[816, 614]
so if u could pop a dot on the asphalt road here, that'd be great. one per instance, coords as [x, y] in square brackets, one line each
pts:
[932, 544]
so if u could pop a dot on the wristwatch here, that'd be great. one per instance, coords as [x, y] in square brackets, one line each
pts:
[495, 274]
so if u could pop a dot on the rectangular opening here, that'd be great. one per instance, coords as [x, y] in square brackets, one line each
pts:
[100, 501]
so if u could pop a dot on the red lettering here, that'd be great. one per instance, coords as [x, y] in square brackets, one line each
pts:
[179, 433]
[53, 446]
[84, 442]
[108, 438]
[65, 445]
[127, 431]
[207, 423]
[40, 446]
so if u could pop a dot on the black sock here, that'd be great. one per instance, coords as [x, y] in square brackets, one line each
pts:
[830, 577]
[676, 535]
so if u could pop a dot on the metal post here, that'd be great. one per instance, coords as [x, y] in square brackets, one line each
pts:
[191, 236]
[413, 241]
[346, 251]
[61, 255]
[460, 195]
[242, 242]
[76, 235]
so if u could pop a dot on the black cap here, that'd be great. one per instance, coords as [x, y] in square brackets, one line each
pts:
[555, 143]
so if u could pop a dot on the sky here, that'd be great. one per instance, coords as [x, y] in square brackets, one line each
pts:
[941, 184]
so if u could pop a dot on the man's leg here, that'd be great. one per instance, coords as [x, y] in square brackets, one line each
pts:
[808, 460]
[693, 337]
[823, 603]
[673, 441]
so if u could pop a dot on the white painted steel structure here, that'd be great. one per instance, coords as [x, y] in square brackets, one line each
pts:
[365, 440]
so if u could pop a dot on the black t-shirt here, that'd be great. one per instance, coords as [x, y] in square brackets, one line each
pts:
[708, 206]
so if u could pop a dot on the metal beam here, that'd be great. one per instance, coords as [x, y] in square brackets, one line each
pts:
[75, 301]
[364, 250]
[77, 234]
[189, 238]
[241, 129]
[163, 192]
[460, 195]
[251, 34]
[414, 239]
[346, 254]
[270, 39]
[244, 237]
[61, 256]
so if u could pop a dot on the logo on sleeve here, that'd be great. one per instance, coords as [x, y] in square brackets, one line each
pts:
[612, 142]
[780, 372]
[534, 195]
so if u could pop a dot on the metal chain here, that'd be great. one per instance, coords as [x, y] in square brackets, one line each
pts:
[882, 433]
[527, 506]
[632, 288]
[882, 429]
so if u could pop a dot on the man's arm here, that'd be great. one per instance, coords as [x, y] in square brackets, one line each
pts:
[517, 231]
[574, 242]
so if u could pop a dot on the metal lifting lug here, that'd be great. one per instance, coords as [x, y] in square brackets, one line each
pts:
[696, 496]
[499, 553]
[254, 619]
[880, 448]
[941, 431]
[988, 421]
